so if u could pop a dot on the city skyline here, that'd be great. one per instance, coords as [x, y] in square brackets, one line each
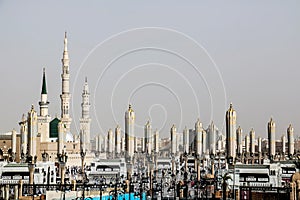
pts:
[256, 95]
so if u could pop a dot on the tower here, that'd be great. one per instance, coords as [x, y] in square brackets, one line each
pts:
[85, 120]
[239, 136]
[129, 131]
[65, 95]
[291, 141]
[252, 141]
[99, 143]
[118, 140]
[186, 141]
[271, 138]
[156, 142]
[44, 118]
[212, 138]
[32, 132]
[204, 149]
[198, 133]
[231, 133]
[110, 141]
[173, 140]
[247, 144]
[283, 141]
[24, 136]
[148, 138]
[259, 145]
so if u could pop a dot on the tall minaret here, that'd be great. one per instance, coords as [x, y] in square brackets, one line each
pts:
[259, 145]
[129, 131]
[252, 141]
[65, 95]
[85, 120]
[44, 97]
[186, 141]
[44, 118]
[271, 138]
[24, 135]
[198, 133]
[173, 140]
[239, 135]
[156, 142]
[247, 143]
[231, 133]
[99, 143]
[32, 132]
[148, 138]
[110, 142]
[291, 141]
[212, 138]
[283, 141]
[118, 140]
[204, 149]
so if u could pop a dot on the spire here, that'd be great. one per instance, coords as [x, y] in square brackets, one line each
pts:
[66, 42]
[44, 86]
[65, 59]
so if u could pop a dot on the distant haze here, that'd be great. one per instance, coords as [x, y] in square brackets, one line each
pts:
[173, 61]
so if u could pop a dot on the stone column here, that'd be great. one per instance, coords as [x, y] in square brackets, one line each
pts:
[31, 172]
[292, 193]
[16, 191]
[298, 189]
[198, 171]
[6, 197]
[2, 191]
[20, 188]
[74, 185]
[62, 166]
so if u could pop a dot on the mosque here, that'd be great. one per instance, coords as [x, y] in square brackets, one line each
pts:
[44, 137]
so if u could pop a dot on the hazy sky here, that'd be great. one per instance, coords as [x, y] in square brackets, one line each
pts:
[174, 61]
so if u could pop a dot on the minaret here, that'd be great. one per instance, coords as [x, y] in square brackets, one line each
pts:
[291, 141]
[96, 143]
[110, 141]
[271, 138]
[24, 135]
[44, 118]
[186, 141]
[156, 142]
[85, 120]
[129, 132]
[65, 95]
[198, 133]
[283, 141]
[212, 138]
[204, 149]
[147, 138]
[99, 143]
[259, 144]
[118, 140]
[231, 133]
[247, 144]
[173, 140]
[252, 141]
[44, 97]
[239, 135]
[14, 144]
[32, 132]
